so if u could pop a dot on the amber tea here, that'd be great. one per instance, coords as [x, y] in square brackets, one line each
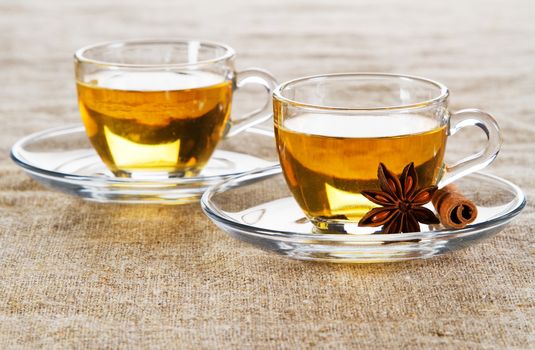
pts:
[328, 160]
[155, 121]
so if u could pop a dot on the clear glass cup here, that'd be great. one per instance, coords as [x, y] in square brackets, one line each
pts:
[158, 108]
[332, 131]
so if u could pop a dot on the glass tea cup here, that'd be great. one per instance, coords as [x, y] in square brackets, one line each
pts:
[158, 108]
[332, 132]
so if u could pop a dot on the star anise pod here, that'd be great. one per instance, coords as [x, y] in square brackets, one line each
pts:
[401, 202]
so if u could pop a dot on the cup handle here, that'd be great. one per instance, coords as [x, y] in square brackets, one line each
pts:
[475, 162]
[253, 76]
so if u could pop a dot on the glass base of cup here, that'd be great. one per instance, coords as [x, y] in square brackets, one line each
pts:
[154, 175]
[340, 226]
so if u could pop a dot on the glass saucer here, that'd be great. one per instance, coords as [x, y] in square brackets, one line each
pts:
[63, 158]
[257, 208]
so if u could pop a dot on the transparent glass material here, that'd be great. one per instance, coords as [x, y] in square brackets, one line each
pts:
[160, 107]
[332, 131]
[258, 208]
[63, 159]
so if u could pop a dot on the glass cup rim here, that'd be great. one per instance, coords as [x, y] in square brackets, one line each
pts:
[440, 98]
[80, 56]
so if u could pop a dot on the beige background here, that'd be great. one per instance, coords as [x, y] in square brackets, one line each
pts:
[74, 274]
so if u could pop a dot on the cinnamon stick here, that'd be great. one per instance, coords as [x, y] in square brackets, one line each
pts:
[454, 209]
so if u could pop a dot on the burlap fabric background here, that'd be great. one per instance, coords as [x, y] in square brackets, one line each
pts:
[80, 275]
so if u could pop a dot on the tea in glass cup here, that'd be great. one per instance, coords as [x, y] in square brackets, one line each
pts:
[333, 131]
[154, 107]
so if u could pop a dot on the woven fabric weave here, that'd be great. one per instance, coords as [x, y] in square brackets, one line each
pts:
[80, 275]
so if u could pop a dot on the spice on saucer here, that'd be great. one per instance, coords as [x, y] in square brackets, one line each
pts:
[401, 202]
[454, 209]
